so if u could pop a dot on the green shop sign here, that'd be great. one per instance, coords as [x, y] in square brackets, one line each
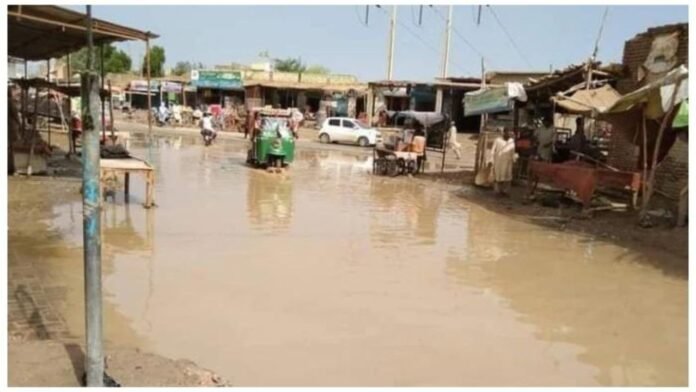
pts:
[492, 100]
[223, 80]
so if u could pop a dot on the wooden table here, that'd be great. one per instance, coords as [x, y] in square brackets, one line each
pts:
[108, 167]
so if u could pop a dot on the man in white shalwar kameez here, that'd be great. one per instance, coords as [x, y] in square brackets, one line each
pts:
[502, 157]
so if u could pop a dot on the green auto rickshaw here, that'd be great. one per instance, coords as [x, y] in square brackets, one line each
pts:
[272, 144]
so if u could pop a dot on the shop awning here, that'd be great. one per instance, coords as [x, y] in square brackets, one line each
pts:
[41, 32]
[493, 100]
[655, 95]
[588, 101]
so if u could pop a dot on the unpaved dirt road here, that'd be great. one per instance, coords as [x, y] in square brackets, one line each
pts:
[330, 276]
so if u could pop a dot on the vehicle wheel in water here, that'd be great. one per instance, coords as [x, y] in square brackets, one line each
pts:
[392, 168]
[324, 138]
[363, 142]
[401, 165]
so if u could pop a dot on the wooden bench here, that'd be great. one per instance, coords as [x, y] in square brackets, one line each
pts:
[109, 167]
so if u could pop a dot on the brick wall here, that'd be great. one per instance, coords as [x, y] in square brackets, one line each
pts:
[673, 172]
[636, 51]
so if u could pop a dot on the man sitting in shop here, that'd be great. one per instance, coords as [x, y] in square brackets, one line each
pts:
[544, 139]
[578, 142]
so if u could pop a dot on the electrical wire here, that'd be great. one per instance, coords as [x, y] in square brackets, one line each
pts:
[424, 42]
[599, 35]
[357, 14]
[512, 41]
[461, 36]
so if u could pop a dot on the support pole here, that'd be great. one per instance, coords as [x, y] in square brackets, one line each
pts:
[25, 97]
[448, 36]
[149, 95]
[392, 39]
[103, 108]
[71, 145]
[91, 207]
[653, 168]
[111, 114]
[48, 101]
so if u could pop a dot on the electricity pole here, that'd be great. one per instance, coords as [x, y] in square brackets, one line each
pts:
[392, 39]
[91, 206]
[448, 36]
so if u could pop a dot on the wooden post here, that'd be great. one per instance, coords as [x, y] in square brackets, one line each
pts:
[658, 142]
[149, 96]
[126, 186]
[111, 115]
[150, 191]
[25, 97]
[33, 130]
[645, 154]
[48, 100]
[103, 108]
[71, 145]
[682, 210]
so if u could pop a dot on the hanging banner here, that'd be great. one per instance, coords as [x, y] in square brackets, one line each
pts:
[171, 87]
[141, 85]
[492, 100]
[221, 80]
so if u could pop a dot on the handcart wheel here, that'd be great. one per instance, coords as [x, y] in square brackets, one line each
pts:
[411, 166]
[401, 164]
[392, 168]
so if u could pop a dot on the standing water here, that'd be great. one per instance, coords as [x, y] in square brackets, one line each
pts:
[331, 276]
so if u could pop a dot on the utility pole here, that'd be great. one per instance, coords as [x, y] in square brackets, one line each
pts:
[392, 39]
[448, 36]
[91, 211]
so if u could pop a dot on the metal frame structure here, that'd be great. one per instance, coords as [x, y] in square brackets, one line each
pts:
[38, 33]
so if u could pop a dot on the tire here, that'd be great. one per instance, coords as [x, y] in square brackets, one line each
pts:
[363, 142]
[324, 138]
[392, 168]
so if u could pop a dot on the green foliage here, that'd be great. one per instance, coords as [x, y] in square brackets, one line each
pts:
[183, 68]
[157, 59]
[115, 60]
[290, 65]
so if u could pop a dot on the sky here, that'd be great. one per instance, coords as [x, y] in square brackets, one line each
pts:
[337, 37]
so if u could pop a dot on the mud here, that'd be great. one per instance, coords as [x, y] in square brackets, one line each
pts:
[329, 276]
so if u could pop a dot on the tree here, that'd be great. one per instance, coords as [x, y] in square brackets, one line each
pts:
[115, 60]
[182, 68]
[157, 60]
[317, 69]
[290, 65]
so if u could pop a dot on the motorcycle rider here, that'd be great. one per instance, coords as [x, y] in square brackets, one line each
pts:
[163, 113]
[207, 129]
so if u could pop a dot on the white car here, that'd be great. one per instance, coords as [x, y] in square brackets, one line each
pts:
[348, 130]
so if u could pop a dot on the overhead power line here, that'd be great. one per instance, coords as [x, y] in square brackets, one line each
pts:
[462, 37]
[512, 41]
[423, 41]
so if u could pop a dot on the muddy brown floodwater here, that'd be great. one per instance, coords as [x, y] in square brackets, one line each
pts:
[330, 276]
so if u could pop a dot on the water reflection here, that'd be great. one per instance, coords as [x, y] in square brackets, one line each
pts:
[269, 200]
[384, 281]
[412, 211]
[581, 293]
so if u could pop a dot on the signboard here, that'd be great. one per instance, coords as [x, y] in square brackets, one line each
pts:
[171, 87]
[141, 85]
[222, 80]
[492, 100]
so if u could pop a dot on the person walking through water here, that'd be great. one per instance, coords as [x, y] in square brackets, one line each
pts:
[452, 143]
[501, 158]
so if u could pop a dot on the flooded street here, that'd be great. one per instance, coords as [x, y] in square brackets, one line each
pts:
[330, 276]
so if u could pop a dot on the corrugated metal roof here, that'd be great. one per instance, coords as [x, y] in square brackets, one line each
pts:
[41, 32]
[361, 87]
